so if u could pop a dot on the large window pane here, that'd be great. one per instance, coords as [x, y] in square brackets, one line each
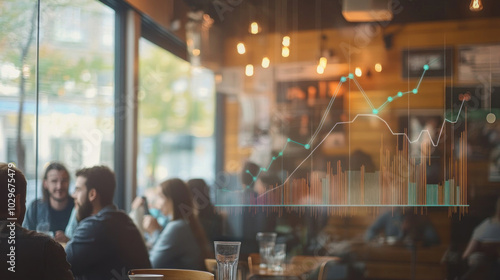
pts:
[75, 91]
[18, 37]
[176, 118]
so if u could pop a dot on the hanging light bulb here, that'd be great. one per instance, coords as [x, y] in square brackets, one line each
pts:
[323, 61]
[358, 72]
[285, 51]
[241, 48]
[320, 69]
[265, 62]
[378, 67]
[286, 41]
[249, 70]
[254, 27]
[476, 5]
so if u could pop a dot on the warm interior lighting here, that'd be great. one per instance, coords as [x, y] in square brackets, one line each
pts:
[378, 67]
[241, 48]
[254, 27]
[249, 70]
[320, 69]
[218, 78]
[265, 62]
[323, 61]
[285, 51]
[196, 52]
[476, 5]
[358, 72]
[286, 41]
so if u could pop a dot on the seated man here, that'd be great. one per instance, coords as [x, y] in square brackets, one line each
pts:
[484, 247]
[106, 244]
[29, 255]
[52, 212]
[407, 227]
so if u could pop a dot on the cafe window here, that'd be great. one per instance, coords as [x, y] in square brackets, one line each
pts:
[67, 107]
[176, 118]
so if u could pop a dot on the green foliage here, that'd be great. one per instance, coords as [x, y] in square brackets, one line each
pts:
[164, 92]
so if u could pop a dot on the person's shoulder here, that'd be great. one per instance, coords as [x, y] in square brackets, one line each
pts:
[485, 223]
[176, 224]
[37, 203]
[175, 227]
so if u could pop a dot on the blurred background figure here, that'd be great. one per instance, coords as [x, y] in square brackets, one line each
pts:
[482, 252]
[52, 213]
[147, 216]
[211, 221]
[400, 226]
[183, 243]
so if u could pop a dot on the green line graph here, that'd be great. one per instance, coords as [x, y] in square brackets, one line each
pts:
[375, 111]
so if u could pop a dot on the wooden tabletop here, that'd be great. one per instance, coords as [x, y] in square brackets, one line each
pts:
[298, 266]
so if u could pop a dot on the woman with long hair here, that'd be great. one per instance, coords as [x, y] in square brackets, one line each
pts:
[182, 244]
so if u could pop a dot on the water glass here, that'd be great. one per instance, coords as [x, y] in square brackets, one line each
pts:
[277, 257]
[266, 241]
[45, 229]
[227, 255]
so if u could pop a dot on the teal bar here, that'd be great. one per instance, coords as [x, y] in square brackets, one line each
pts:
[412, 193]
[432, 194]
[447, 193]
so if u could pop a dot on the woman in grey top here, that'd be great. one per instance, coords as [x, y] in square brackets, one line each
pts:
[182, 244]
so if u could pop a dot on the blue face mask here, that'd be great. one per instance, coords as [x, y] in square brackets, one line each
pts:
[162, 219]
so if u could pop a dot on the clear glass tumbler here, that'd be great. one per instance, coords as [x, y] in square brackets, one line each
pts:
[266, 245]
[227, 255]
[277, 257]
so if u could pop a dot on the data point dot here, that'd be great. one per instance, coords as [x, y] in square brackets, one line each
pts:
[400, 94]
[389, 99]
[415, 91]
[343, 79]
[351, 76]
[375, 111]
[426, 67]
[491, 118]
[307, 146]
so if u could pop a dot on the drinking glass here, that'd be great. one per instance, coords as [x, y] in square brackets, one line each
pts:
[266, 244]
[226, 255]
[45, 229]
[277, 257]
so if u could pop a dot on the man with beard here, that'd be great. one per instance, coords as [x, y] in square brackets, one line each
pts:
[106, 244]
[26, 254]
[51, 214]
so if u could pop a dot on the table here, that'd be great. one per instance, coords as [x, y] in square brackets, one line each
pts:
[298, 266]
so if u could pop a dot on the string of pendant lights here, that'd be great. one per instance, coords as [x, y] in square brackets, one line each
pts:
[255, 28]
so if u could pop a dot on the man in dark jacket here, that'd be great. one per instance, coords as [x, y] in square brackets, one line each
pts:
[29, 255]
[106, 243]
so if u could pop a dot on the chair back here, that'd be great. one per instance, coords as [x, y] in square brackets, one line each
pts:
[334, 270]
[211, 265]
[175, 274]
[253, 259]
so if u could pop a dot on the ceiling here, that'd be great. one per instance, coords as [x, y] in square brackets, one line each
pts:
[234, 16]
